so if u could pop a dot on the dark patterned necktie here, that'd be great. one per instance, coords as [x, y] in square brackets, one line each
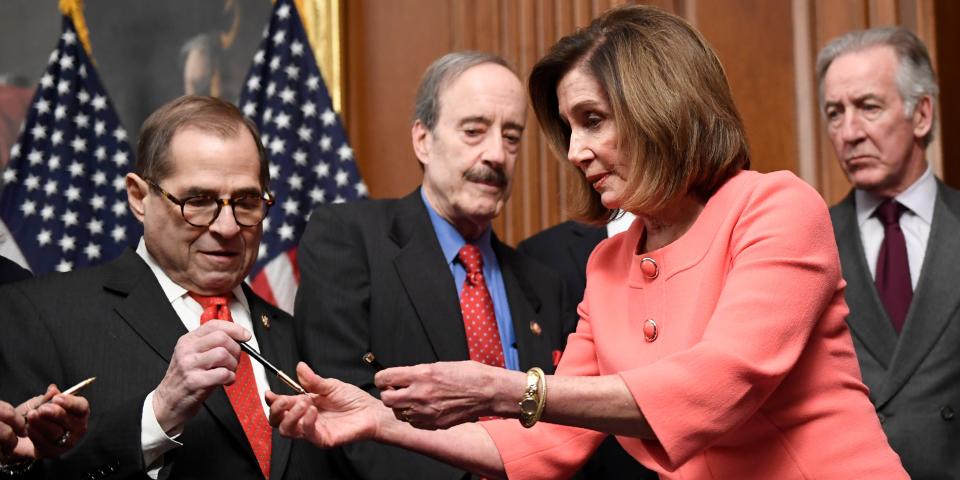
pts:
[893, 269]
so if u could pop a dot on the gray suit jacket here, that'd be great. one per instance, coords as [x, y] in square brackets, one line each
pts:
[914, 378]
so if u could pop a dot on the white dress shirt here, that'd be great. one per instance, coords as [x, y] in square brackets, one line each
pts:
[620, 224]
[915, 222]
[153, 440]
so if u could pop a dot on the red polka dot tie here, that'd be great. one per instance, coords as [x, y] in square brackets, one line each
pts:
[479, 319]
[243, 394]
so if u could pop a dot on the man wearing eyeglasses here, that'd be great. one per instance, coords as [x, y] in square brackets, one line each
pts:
[159, 327]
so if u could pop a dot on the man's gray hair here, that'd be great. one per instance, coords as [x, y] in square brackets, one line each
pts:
[914, 76]
[439, 75]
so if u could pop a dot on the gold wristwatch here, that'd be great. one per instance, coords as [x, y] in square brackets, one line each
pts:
[534, 397]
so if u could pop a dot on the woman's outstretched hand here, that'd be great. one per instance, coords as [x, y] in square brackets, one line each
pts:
[440, 395]
[333, 414]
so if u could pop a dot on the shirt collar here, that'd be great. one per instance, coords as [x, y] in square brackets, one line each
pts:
[450, 239]
[171, 289]
[919, 198]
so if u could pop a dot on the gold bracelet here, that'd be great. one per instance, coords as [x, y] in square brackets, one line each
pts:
[534, 397]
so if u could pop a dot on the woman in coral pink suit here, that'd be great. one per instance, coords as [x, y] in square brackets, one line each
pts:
[712, 339]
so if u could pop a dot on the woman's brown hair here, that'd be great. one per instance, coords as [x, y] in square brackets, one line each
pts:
[676, 121]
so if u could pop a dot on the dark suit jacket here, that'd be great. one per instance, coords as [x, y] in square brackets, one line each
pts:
[10, 271]
[565, 248]
[114, 322]
[374, 279]
[914, 378]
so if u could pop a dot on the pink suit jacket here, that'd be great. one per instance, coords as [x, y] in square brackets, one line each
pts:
[753, 373]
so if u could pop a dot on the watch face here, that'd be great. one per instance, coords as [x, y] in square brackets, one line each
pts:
[528, 406]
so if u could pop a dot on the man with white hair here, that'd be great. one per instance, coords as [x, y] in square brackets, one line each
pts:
[897, 232]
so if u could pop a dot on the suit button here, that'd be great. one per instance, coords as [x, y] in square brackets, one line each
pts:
[946, 413]
[650, 330]
[649, 267]
[881, 417]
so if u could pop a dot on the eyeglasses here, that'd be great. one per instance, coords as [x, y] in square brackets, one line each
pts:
[203, 210]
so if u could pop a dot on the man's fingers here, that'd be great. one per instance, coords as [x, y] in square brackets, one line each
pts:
[48, 422]
[212, 340]
[8, 439]
[77, 407]
[234, 331]
[12, 418]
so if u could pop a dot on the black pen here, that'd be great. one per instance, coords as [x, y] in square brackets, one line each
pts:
[370, 359]
[269, 366]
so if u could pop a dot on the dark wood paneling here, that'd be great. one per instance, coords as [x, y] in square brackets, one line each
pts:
[389, 45]
[948, 69]
[760, 69]
[831, 19]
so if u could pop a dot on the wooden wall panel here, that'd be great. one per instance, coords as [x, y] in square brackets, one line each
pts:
[768, 49]
[948, 69]
[389, 45]
[760, 68]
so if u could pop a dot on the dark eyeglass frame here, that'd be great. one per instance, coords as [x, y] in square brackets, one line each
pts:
[219, 202]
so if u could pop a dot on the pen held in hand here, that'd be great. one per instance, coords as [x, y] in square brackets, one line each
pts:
[76, 388]
[70, 391]
[269, 366]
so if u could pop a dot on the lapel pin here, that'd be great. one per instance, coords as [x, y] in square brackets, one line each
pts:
[535, 328]
[265, 320]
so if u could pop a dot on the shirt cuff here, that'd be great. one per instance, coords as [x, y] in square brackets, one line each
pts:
[154, 442]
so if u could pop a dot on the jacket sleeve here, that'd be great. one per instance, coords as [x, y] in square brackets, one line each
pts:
[549, 450]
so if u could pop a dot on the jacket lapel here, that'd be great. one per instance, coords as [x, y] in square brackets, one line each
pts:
[275, 339]
[427, 280]
[867, 319]
[146, 310]
[936, 299]
[525, 305]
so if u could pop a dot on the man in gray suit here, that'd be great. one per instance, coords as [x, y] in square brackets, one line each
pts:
[898, 233]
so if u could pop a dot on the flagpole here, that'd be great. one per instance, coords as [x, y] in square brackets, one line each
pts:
[74, 10]
[322, 20]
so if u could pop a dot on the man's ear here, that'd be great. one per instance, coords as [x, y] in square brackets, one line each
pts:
[422, 139]
[923, 117]
[137, 191]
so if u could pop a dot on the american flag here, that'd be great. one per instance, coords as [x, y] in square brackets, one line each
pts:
[65, 201]
[310, 160]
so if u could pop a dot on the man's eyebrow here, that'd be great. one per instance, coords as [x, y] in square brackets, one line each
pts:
[476, 119]
[513, 126]
[206, 192]
[858, 99]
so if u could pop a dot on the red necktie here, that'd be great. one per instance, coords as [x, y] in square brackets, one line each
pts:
[243, 393]
[893, 270]
[479, 319]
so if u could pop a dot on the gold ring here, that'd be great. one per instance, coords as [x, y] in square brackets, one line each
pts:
[405, 415]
